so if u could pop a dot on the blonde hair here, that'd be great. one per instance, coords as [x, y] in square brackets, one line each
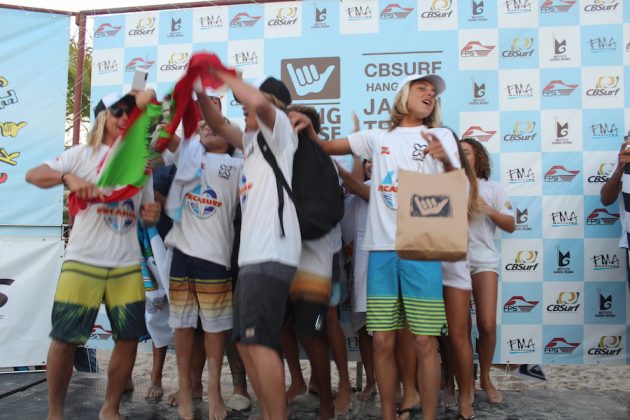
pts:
[277, 102]
[97, 133]
[474, 205]
[399, 110]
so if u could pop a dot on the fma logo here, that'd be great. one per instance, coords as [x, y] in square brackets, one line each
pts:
[605, 304]
[4, 298]
[286, 16]
[559, 173]
[559, 50]
[566, 302]
[517, 6]
[605, 86]
[320, 19]
[145, 26]
[107, 30]
[106, 66]
[602, 217]
[559, 88]
[478, 93]
[604, 130]
[603, 173]
[388, 189]
[522, 131]
[556, 6]
[440, 9]
[601, 5]
[518, 304]
[521, 345]
[476, 49]
[560, 345]
[312, 78]
[244, 20]
[605, 262]
[521, 220]
[138, 63]
[478, 133]
[521, 175]
[563, 218]
[395, 11]
[210, 22]
[246, 58]
[563, 265]
[430, 206]
[519, 90]
[521, 47]
[355, 13]
[609, 345]
[178, 61]
[602, 44]
[524, 261]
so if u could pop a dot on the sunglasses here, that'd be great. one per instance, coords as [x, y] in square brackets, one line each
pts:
[117, 112]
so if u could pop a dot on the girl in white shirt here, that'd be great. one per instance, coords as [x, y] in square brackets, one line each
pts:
[495, 211]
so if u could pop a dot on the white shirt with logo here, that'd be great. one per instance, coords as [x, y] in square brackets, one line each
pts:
[206, 229]
[481, 249]
[104, 234]
[261, 239]
[389, 151]
[317, 254]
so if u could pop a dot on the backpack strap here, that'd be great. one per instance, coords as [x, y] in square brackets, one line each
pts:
[281, 182]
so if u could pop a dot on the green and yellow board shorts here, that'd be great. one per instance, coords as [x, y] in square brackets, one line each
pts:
[80, 291]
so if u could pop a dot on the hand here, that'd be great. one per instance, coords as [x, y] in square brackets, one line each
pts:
[150, 213]
[83, 189]
[10, 129]
[299, 121]
[624, 154]
[429, 206]
[307, 78]
[144, 98]
[435, 149]
[484, 208]
[357, 123]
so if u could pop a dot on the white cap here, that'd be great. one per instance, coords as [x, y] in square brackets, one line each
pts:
[438, 83]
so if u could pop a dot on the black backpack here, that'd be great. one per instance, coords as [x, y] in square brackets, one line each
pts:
[314, 189]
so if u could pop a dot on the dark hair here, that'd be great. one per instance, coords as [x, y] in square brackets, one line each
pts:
[482, 158]
[311, 113]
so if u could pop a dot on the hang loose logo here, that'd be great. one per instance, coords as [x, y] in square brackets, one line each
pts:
[430, 206]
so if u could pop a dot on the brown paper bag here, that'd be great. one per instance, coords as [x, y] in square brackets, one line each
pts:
[432, 219]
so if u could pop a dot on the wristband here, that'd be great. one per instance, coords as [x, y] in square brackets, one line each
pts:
[63, 181]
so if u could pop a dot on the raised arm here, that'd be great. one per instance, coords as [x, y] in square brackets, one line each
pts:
[302, 123]
[213, 117]
[611, 189]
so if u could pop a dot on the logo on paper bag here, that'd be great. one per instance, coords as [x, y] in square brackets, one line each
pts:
[431, 206]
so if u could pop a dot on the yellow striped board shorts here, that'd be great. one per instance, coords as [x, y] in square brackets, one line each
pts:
[81, 290]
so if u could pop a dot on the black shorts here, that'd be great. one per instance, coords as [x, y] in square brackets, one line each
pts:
[307, 318]
[259, 303]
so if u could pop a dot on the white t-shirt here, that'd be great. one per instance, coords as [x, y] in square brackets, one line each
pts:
[623, 240]
[317, 254]
[261, 239]
[104, 234]
[389, 151]
[206, 229]
[481, 249]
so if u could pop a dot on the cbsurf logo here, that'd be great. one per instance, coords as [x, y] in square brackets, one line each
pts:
[566, 302]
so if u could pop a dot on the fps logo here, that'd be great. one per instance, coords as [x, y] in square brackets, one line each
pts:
[524, 261]
[521, 47]
[107, 30]
[605, 305]
[244, 20]
[395, 11]
[440, 9]
[517, 6]
[522, 131]
[479, 93]
[560, 345]
[312, 78]
[559, 173]
[479, 134]
[563, 262]
[609, 345]
[138, 63]
[558, 88]
[566, 302]
[518, 304]
[602, 216]
[604, 171]
[144, 26]
[605, 86]
[476, 49]
[556, 6]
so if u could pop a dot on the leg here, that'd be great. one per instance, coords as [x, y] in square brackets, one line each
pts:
[407, 365]
[267, 364]
[184, 339]
[448, 374]
[429, 374]
[290, 350]
[58, 374]
[240, 399]
[337, 341]
[485, 294]
[367, 356]
[457, 303]
[214, 344]
[385, 369]
[197, 363]
[317, 349]
[118, 372]
[156, 390]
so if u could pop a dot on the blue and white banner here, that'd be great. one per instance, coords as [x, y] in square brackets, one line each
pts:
[540, 83]
[33, 83]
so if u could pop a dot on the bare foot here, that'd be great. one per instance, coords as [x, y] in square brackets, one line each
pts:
[367, 393]
[155, 391]
[129, 387]
[295, 390]
[107, 413]
[493, 395]
[184, 406]
[450, 400]
[216, 409]
[410, 404]
[343, 402]
[173, 399]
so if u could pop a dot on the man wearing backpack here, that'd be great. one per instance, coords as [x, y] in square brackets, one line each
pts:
[271, 245]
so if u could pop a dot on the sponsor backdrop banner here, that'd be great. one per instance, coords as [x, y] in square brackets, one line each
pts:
[540, 83]
[33, 81]
[28, 280]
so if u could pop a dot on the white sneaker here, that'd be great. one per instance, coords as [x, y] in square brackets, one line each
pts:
[531, 372]
[238, 402]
